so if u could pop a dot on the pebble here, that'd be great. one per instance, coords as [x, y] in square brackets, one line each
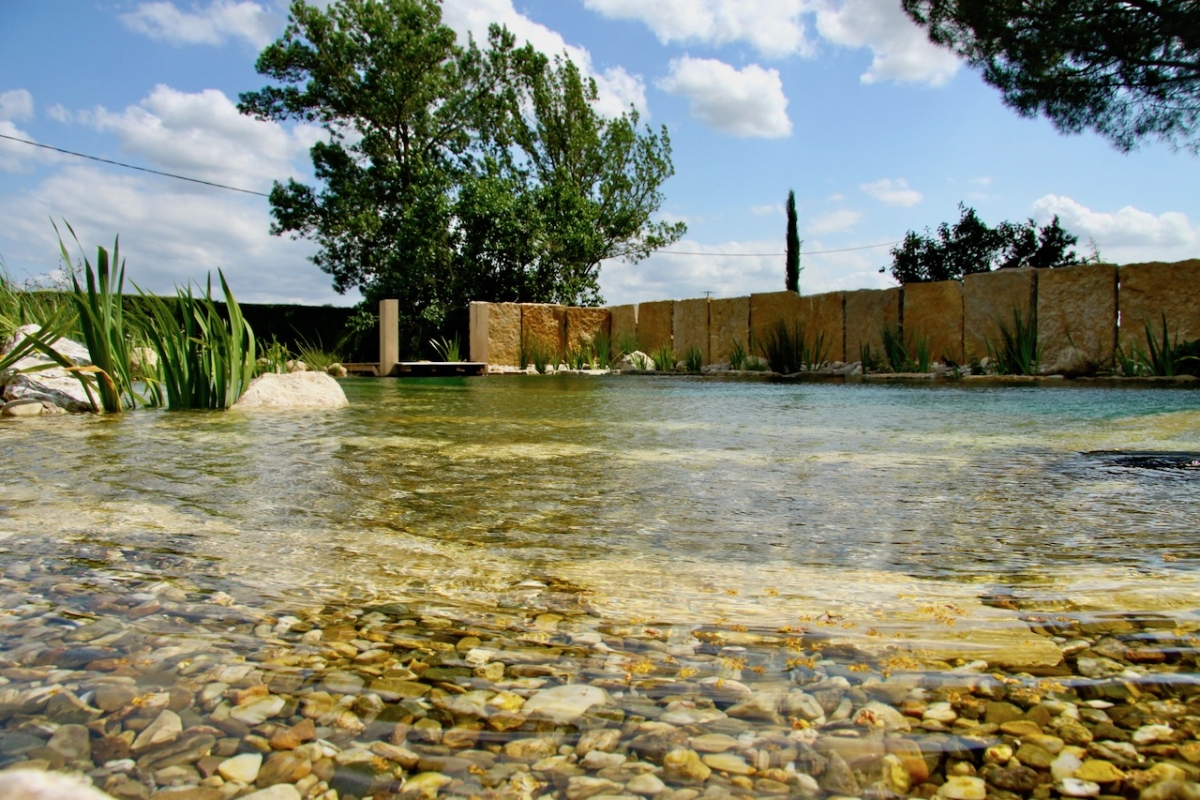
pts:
[1074, 787]
[243, 768]
[962, 787]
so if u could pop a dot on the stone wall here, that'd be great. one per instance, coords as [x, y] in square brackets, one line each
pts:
[728, 322]
[655, 325]
[691, 328]
[1077, 317]
[1148, 291]
[1076, 310]
[934, 312]
[869, 312]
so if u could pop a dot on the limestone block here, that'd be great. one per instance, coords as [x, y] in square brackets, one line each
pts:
[496, 333]
[655, 324]
[935, 311]
[824, 315]
[989, 300]
[544, 326]
[868, 313]
[292, 390]
[623, 322]
[584, 323]
[690, 327]
[769, 308]
[728, 322]
[1077, 310]
[1148, 291]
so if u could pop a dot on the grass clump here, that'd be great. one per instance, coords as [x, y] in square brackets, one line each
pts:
[788, 350]
[906, 357]
[664, 359]
[446, 349]
[539, 355]
[694, 359]
[1017, 353]
[737, 355]
[604, 351]
[1164, 356]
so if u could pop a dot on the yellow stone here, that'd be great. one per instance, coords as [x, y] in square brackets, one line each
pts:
[934, 312]
[769, 308]
[894, 775]
[729, 763]
[869, 312]
[728, 322]
[1098, 771]
[623, 322]
[1150, 290]
[690, 328]
[544, 326]
[1077, 315]
[823, 316]
[655, 322]
[1020, 727]
[584, 323]
[495, 336]
[989, 301]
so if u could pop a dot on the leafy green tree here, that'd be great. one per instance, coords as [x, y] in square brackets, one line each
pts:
[792, 252]
[970, 246]
[1129, 69]
[454, 173]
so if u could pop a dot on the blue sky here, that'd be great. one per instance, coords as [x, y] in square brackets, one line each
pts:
[843, 101]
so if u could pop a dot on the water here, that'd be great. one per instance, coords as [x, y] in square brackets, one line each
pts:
[679, 501]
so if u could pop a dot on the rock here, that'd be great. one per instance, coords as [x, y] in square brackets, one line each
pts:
[34, 784]
[1013, 778]
[1073, 787]
[1152, 734]
[342, 683]
[530, 750]
[113, 696]
[713, 743]
[725, 762]
[647, 785]
[53, 386]
[762, 706]
[72, 742]
[1033, 756]
[425, 784]
[597, 760]
[581, 787]
[963, 787]
[336, 371]
[563, 705]
[259, 711]
[166, 728]
[1097, 771]
[684, 766]
[282, 791]
[876, 714]
[285, 766]
[28, 407]
[839, 779]
[602, 739]
[242, 768]
[1064, 766]
[306, 390]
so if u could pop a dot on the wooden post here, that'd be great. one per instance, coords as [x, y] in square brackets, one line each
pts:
[389, 336]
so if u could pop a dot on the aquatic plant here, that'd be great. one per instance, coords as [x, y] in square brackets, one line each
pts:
[902, 357]
[627, 343]
[540, 356]
[694, 359]
[205, 360]
[447, 350]
[788, 350]
[1017, 352]
[870, 359]
[664, 358]
[1164, 356]
[602, 350]
[99, 310]
[737, 355]
[578, 357]
[274, 358]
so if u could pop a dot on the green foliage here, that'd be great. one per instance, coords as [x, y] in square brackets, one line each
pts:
[602, 351]
[664, 359]
[737, 355]
[99, 310]
[1128, 70]
[1017, 352]
[1164, 356]
[870, 359]
[788, 350]
[970, 246]
[205, 360]
[540, 356]
[792, 249]
[628, 343]
[273, 359]
[454, 173]
[578, 357]
[641, 361]
[694, 359]
[447, 349]
[906, 357]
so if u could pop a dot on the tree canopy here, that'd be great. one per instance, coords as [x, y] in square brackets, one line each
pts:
[1129, 69]
[970, 246]
[455, 172]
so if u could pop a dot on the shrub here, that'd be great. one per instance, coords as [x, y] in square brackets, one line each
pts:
[664, 359]
[1018, 352]
[737, 355]
[694, 359]
[787, 349]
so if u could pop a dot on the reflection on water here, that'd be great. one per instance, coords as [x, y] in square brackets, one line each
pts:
[667, 498]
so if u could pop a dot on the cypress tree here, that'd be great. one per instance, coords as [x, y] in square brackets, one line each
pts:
[793, 246]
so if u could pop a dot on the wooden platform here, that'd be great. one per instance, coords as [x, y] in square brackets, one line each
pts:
[418, 369]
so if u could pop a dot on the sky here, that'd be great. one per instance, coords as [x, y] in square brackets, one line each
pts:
[845, 102]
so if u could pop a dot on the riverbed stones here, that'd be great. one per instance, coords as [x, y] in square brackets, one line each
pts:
[243, 768]
[682, 765]
[564, 705]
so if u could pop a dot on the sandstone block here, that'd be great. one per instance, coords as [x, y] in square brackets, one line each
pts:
[868, 313]
[1077, 313]
[769, 308]
[496, 333]
[934, 311]
[623, 322]
[584, 323]
[1148, 291]
[690, 327]
[655, 324]
[989, 302]
[728, 322]
[823, 315]
[544, 326]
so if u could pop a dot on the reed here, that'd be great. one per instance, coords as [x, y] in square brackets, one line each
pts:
[737, 355]
[694, 359]
[788, 349]
[664, 359]
[1017, 353]
[447, 349]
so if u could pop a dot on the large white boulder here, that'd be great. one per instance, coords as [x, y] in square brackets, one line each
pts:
[53, 384]
[292, 390]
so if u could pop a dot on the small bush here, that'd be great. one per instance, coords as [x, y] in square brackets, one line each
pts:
[664, 359]
[694, 359]
[446, 349]
[737, 355]
[1018, 352]
[787, 349]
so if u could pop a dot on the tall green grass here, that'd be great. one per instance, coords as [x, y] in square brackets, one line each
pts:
[664, 358]
[905, 357]
[788, 349]
[205, 360]
[694, 359]
[1017, 352]
[1164, 356]
[447, 349]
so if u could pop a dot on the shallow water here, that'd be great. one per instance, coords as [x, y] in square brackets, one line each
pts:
[675, 500]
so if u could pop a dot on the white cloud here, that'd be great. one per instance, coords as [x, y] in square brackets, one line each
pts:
[768, 210]
[16, 105]
[214, 24]
[838, 221]
[893, 192]
[734, 269]
[617, 88]
[202, 135]
[773, 27]
[902, 51]
[746, 102]
[1125, 236]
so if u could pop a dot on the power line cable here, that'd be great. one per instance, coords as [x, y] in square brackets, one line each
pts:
[131, 166]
